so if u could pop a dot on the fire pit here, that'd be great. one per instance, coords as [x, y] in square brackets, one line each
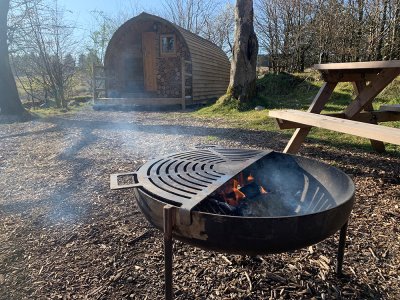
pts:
[241, 201]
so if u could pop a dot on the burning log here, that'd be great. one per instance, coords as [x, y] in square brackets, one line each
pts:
[252, 190]
[239, 189]
[218, 206]
[267, 205]
[247, 193]
[236, 197]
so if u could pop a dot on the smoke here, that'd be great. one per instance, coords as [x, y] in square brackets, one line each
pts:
[291, 190]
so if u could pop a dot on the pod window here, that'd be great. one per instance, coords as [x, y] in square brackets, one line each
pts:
[167, 44]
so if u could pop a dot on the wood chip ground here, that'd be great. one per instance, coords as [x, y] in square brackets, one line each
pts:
[65, 235]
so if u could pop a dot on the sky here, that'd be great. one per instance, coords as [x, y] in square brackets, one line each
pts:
[80, 9]
[79, 12]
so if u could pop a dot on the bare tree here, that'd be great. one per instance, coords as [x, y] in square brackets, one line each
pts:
[269, 27]
[104, 26]
[192, 15]
[220, 29]
[382, 29]
[394, 52]
[212, 19]
[296, 34]
[126, 10]
[285, 32]
[45, 38]
[242, 83]
[10, 102]
[98, 38]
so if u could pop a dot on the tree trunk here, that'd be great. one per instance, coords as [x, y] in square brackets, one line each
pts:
[359, 50]
[244, 61]
[10, 102]
[395, 40]
[382, 31]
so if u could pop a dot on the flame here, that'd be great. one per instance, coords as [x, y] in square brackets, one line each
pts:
[262, 190]
[238, 194]
[231, 192]
[250, 178]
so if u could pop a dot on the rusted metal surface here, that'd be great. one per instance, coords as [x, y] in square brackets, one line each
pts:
[324, 201]
[342, 245]
[322, 204]
[187, 178]
[168, 216]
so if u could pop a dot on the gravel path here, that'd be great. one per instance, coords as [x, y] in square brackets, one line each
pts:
[65, 235]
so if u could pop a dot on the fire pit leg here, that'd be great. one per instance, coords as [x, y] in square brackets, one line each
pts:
[342, 244]
[168, 214]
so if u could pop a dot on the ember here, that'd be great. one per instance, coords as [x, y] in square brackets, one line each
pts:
[231, 193]
[238, 189]
[240, 196]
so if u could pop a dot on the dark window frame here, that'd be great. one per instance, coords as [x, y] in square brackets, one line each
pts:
[167, 35]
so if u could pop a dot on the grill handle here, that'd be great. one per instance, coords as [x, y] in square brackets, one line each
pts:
[114, 185]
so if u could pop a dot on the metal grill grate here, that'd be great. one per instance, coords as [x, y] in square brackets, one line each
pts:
[186, 178]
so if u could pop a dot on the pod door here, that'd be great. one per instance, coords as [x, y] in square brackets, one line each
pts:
[149, 61]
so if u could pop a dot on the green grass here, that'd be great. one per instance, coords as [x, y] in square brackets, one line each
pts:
[211, 138]
[77, 95]
[54, 111]
[296, 91]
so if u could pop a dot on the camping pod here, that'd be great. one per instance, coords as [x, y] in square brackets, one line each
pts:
[151, 61]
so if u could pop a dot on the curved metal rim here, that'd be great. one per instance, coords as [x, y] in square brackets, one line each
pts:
[251, 218]
[349, 198]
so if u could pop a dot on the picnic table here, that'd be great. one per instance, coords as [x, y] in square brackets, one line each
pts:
[359, 117]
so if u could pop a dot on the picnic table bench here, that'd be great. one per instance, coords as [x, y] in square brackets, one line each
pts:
[359, 117]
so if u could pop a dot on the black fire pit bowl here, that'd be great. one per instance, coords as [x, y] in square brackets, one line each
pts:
[314, 200]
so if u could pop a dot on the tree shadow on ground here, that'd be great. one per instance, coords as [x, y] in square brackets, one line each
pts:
[234, 134]
[247, 138]
[64, 205]
[10, 119]
[61, 201]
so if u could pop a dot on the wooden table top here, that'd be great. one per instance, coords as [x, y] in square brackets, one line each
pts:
[358, 65]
